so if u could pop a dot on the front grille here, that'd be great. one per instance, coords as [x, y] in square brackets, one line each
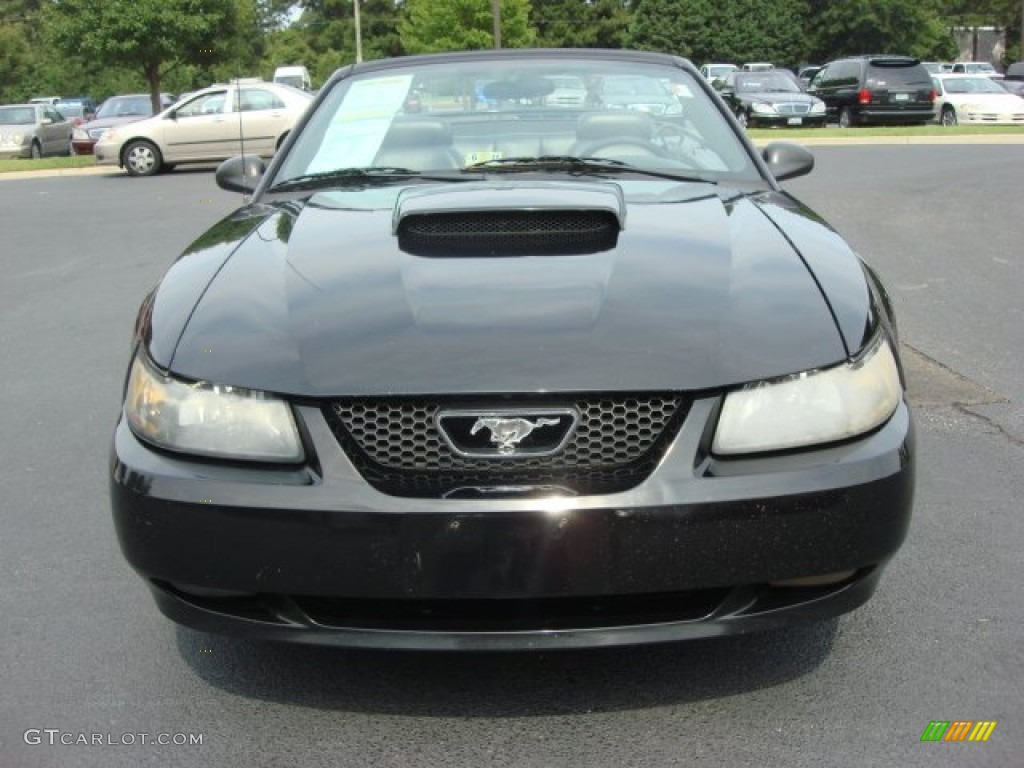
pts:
[508, 233]
[793, 109]
[396, 445]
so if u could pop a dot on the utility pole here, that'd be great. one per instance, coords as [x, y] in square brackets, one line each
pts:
[496, 13]
[359, 32]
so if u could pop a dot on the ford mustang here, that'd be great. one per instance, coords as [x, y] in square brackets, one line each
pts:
[474, 367]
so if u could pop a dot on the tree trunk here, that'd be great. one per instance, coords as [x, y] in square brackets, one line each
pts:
[152, 72]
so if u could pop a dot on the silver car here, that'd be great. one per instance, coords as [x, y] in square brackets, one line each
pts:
[213, 124]
[33, 130]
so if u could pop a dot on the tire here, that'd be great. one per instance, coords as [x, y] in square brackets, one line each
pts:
[36, 151]
[845, 118]
[742, 119]
[948, 117]
[141, 158]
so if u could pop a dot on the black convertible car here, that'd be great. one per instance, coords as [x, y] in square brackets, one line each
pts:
[496, 371]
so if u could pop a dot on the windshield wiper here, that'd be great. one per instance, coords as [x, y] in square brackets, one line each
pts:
[370, 174]
[577, 165]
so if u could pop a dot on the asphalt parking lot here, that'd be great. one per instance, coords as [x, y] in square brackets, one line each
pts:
[84, 651]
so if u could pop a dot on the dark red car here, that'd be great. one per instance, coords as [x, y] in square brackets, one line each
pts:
[116, 110]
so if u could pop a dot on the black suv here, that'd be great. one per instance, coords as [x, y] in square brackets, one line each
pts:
[875, 89]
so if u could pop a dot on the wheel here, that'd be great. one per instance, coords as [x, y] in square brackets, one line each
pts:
[948, 116]
[141, 158]
[37, 150]
[845, 118]
[744, 121]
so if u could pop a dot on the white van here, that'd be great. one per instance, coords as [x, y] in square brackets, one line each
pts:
[295, 76]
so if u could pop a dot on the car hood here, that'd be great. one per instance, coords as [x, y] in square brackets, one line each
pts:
[317, 298]
[776, 97]
[988, 101]
[110, 122]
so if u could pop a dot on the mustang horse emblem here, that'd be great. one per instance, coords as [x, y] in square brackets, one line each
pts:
[508, 433]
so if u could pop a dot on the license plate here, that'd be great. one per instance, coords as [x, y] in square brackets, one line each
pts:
[482, 156]
[795, 121]
[901, 97]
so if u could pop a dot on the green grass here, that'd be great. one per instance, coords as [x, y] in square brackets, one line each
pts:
[46, 163]
[884, 131]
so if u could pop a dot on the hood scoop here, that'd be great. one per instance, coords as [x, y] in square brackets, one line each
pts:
[485, 220]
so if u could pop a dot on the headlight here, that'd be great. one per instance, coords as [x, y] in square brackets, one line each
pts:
[80, 134]
[762, 108]
[818, 108]
[208, 419]
[109, 135]
[813, 407]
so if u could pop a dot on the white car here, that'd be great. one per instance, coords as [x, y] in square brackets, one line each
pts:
[975, 99]
[975, 68]
[713, 72]
[213, 124]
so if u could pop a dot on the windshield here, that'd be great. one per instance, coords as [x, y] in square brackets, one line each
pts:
[126, 106]
[17, 115]
[475, 114]
[766, 82]
[972, 85]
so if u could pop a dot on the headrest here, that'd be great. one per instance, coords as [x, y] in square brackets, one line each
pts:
[418, 133]
[610, 125]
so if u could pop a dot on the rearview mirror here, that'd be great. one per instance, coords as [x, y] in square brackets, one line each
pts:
[241, 173]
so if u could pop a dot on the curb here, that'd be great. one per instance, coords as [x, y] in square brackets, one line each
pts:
[92, 170]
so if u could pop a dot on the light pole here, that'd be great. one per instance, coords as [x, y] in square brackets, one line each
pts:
[359, 32]
[496, 13]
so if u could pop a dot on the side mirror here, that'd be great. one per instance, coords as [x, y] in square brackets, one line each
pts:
[241, 173]
[47, 121]
[786, 160]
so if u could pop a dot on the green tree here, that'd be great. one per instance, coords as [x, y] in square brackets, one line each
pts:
[460, 25]
[723, 30]
[326, 32]
[915, 28]
[149, 36]
[15, 62]
[581, 23]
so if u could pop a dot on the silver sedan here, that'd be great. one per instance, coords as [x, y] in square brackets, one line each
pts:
[33, 130]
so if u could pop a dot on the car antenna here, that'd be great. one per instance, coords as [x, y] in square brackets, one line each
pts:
[241, 130]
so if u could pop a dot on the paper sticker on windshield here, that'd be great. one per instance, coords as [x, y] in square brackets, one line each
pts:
[483, 156]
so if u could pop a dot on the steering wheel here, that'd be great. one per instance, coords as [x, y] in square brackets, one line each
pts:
[632, 142]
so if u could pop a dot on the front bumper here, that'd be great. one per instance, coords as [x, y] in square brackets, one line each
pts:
[316, 555]
[107, 153]
[9, 152]
[787, 121]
